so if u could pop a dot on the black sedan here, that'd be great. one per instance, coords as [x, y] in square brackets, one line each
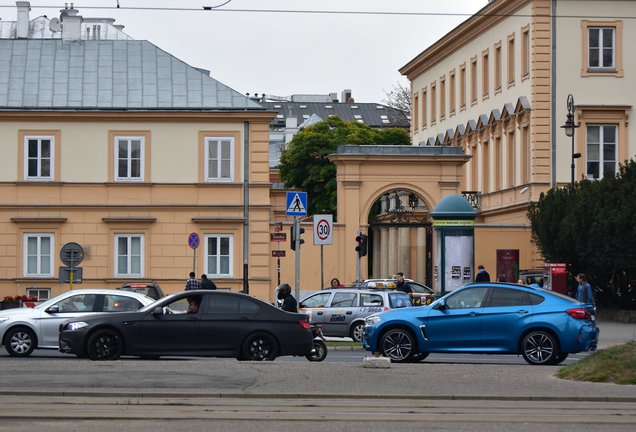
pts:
[192, 323]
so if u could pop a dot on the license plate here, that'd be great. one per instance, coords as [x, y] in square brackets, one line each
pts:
[593, 318]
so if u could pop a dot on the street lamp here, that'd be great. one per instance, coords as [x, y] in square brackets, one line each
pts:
[569, 128]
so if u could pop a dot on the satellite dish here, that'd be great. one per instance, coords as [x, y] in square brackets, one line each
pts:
[55, 25]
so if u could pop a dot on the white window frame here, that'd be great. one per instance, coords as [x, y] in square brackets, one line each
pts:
[601, 152]
[38, 273]
[217, 142]
[129, 258]
[142, 156]
[600, 48]
[207, 255]
[37, 292]
[39, 177]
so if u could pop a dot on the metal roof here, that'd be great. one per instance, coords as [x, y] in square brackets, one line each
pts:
[375, 115]
[106, 74]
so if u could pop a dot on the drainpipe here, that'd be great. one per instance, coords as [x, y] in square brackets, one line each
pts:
[246, 205]
[553, 80]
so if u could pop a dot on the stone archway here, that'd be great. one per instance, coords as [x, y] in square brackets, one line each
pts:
[366, 173]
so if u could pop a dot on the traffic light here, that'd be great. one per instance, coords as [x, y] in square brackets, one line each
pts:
[292, 231]
[362, 244]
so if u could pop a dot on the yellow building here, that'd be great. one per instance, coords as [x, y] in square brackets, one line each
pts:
[497, 86]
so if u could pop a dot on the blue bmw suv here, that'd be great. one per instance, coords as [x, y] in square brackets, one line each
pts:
[494, 318]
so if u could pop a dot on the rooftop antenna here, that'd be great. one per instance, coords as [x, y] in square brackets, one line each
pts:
[117, 4]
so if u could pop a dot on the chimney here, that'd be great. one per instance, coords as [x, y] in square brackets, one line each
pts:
[71, 23]
[346, 95]
[333, 97]
[24, 7]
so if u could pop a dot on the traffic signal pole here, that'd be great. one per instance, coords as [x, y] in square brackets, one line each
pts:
[297, 249]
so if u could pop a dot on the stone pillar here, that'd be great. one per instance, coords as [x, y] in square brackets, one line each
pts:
[404, 251]
[420, 257]
[393, 252]
[384, 246]
[377, 253]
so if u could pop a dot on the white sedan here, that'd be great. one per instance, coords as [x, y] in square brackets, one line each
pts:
[24, 329]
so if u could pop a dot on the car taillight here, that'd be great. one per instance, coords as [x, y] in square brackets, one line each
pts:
[578, 313]
[304, 324]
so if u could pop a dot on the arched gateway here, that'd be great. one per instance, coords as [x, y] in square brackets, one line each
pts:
[388, 192]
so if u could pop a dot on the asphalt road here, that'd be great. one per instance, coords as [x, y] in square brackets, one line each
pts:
[494, 393]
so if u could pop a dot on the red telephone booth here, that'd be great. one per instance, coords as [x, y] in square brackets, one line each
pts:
[556, 277]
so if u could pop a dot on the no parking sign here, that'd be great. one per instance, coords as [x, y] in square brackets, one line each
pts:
[323, 229]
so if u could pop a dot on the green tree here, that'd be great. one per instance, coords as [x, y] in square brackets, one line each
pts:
[304, 164]
[592, 227]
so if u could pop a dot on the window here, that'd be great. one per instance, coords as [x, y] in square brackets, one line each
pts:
[468, 298]
[511, 60]
[601, 151]
[526, 157]
[129, 159]
[485, 68]
[424, 107]
[525, 52]
[219, 159]
[433, 102]
[451, 93]
[218, 255]
[343, 300]
[511, 157]
[316, 301]
[442, 98]
[602, 48]
[77, 303]
[38, 158]
[43, 294]
[497, 67]
[129, 252]
[462, 87]
[473, 81]
[416, 112]
[502, 297]
[118, 303]
[371, 300]
[38, 254]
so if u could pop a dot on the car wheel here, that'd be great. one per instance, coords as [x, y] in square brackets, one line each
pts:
[419, 357]
[259, 347]
[318, 351]
[559, 358]
[20, 342]
[398, 345]
[539, 348]
[105, 345]
[357, 331]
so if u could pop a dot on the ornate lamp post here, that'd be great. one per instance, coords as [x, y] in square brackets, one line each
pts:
[569, 128]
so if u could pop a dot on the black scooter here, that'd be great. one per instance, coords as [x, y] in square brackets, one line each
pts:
[319, 347]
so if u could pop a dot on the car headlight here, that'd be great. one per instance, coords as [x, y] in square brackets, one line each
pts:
[76, 325]
[3, 319]
[372, 320]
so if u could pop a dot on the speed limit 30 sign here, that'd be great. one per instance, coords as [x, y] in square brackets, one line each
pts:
[323, 229]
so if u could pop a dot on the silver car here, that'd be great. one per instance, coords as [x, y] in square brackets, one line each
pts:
[341, 311]
[24, 329]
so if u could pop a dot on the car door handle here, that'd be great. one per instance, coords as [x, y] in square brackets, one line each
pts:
[318, 313]
[349, 312]
[473, 314]
[129, 323]
[522, 311]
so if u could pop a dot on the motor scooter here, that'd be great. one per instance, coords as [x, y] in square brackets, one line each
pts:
[319, 346]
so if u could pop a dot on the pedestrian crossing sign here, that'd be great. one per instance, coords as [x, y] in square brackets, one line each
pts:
[296, 204]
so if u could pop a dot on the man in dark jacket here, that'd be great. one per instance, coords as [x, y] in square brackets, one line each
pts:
[207, 283]
[482, 274]
[283, 292]
[402, 285]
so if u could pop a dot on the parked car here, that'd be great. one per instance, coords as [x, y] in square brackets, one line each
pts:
[341, 311]
[532, 276]
[24, 329]
[225, 324]
[151, 289]
[494, 318]
[421, 293]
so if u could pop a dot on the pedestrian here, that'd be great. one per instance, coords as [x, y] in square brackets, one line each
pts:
[207, 283]
[335, 283]
[482, 274]
[401, 284]
[193, 283]
[193, 304]
[283, 292]
[584, 290]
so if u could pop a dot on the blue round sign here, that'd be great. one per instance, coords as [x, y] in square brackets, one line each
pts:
[193, 240]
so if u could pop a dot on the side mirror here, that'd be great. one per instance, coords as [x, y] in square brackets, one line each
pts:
[53, 309]
[157, 311]
[440, 305]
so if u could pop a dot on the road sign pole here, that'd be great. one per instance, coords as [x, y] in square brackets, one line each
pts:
[322, 268]
[278, 263]
[358, 264]
[71, 272]
[297, 237]
[194, 261]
